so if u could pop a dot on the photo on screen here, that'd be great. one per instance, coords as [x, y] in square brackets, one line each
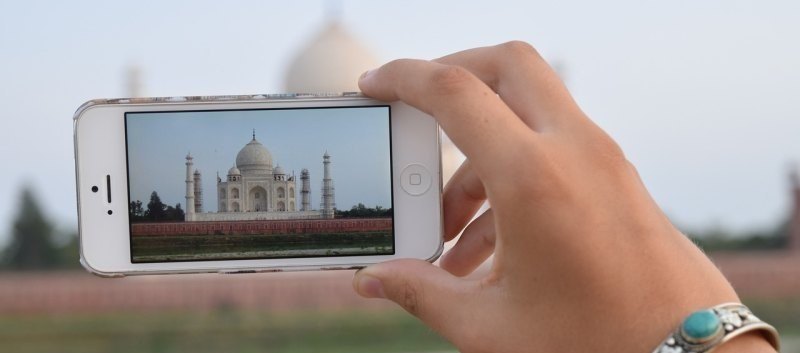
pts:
[259, 184]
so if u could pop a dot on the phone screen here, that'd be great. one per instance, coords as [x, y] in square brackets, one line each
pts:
[259, 184]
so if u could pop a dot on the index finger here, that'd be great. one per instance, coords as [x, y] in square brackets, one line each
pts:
[474, 117]
[523, 79]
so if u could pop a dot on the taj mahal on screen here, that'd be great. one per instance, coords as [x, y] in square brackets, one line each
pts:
[254, 189]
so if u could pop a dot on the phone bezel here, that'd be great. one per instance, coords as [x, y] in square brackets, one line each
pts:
[100, 150]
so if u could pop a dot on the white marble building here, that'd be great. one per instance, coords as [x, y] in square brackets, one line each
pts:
[255, 190]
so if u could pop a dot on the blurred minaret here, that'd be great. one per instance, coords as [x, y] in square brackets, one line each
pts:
[305, 191]
[133, 78]
[189, 189]
[560, 67]
[328, 199]
[794, 222]
[198, 192]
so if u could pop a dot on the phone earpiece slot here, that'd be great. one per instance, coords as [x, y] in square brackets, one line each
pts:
[108, 187]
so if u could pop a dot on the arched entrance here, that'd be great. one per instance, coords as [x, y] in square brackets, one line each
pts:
[258, 199]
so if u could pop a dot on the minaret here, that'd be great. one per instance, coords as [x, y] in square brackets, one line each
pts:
[198, 192]
[328, 198]
[134, 81]
[794, 221]
[189, 189]
[305, 191]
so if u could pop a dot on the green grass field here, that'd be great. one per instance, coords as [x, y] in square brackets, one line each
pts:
[385, 331]
[784, 314]
[221, 331]
[247, 246]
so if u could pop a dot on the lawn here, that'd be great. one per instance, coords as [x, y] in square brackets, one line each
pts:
[234, 330]
[249, 246]
[221, 331]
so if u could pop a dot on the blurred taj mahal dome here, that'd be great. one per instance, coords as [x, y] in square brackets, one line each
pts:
[332, 61]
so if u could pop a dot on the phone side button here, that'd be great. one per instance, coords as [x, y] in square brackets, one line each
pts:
[415, 179]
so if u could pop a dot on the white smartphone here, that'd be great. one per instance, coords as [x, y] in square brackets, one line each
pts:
[255, 183]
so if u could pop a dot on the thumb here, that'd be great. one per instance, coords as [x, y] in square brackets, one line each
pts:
[426, 291]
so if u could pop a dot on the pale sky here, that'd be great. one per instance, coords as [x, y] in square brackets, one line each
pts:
[700, 94]
[357, 139]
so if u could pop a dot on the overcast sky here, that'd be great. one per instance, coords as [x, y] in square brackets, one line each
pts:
[357, 139]
[700, 94]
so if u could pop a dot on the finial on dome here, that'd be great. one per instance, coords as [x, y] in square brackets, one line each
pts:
[333, 10]
[254, 134]
[234, 171]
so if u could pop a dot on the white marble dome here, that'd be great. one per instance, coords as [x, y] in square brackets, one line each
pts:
[278, 170]
[254, 156]
[234, 171]
[330, 63]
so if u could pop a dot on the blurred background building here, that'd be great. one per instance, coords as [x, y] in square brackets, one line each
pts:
[699, 96]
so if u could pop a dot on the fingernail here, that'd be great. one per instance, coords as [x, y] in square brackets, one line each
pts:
[365, 74]
[370, 287]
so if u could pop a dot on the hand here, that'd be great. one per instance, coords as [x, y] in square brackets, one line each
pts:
[584, 260]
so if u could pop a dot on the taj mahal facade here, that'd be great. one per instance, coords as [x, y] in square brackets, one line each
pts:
[255, 190]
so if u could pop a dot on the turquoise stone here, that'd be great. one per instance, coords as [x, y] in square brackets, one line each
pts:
[701, 326]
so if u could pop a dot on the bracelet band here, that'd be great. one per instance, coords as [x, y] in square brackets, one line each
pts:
[704, 330]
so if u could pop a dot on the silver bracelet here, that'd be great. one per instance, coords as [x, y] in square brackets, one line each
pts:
[704, 330]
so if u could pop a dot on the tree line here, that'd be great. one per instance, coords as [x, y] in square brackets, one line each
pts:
[37, 244]
[156, 211]
[717, 239]
[361, 211]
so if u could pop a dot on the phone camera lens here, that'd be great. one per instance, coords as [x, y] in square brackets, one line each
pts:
[110, 212]
[95, 188]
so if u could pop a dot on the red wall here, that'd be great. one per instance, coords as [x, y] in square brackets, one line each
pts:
[348, 225]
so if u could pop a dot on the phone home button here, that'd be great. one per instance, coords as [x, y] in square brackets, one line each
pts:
[415, 179]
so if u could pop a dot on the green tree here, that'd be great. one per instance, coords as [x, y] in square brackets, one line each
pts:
[69, 252]
[156, 210]
[32, 244]
[136, 211]
[175, 213]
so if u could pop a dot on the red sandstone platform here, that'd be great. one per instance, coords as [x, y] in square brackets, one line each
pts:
[345, 225]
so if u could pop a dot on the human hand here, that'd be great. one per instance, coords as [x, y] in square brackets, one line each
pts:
[584, 260]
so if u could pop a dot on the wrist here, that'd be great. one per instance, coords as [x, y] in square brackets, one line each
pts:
[711, 329]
